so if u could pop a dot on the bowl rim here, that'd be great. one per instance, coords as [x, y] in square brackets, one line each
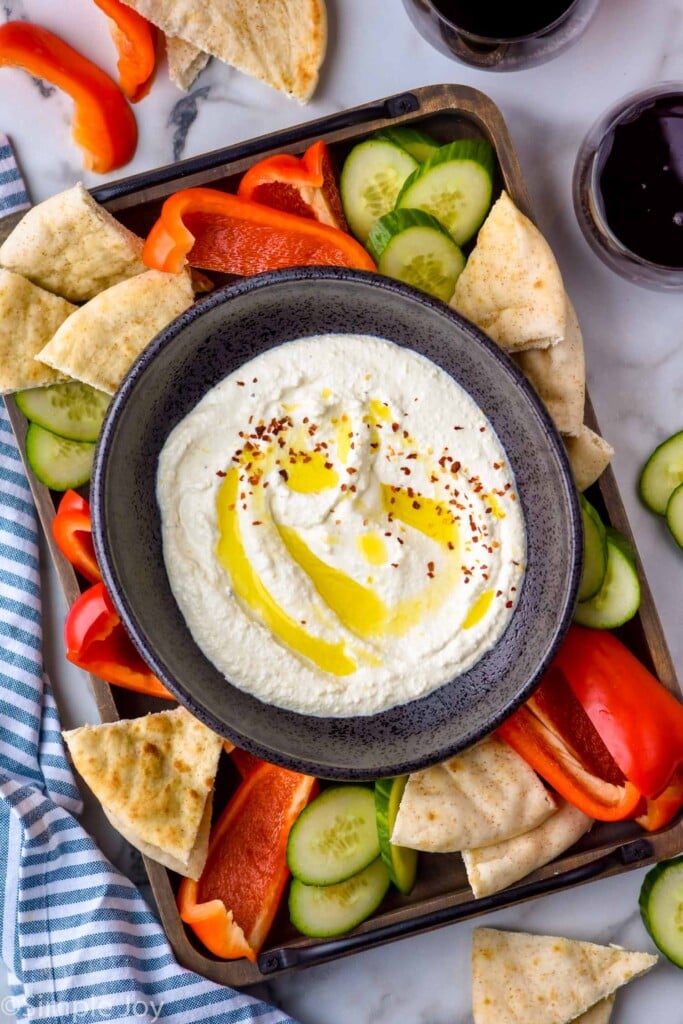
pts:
[223, 296]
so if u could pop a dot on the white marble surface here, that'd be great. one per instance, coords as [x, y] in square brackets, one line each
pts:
[634, 342]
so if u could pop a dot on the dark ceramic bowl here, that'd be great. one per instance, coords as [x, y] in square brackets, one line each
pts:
[201, 347]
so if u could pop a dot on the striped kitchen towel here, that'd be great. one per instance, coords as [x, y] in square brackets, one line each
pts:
[13, 194]
[78, 940]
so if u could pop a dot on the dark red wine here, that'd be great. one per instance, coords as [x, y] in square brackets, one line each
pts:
[502, 19]
[640, 186]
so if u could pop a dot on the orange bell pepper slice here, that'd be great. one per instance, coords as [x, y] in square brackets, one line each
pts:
[660, 810]
[305, 186]
[232, 906]
[97, 642]
[218, 231]
[72, 531]
[103, 124]
[136, 42]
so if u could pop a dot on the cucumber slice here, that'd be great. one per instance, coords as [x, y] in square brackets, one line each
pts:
[662, 474]
[411, 246]
[594, 551]
[323, 911]
[58, 463]
[455, 185]
[661, 907]
[370, 181]
[618, 599]
[335, 837]
[674, 515]
[417, 143]
[72, 409]
[400, 862]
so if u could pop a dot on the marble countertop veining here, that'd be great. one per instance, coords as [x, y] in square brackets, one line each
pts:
[634, 350]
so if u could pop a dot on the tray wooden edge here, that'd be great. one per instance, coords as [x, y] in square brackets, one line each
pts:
[429, 100]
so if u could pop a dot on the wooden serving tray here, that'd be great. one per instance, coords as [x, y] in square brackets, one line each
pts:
[441, 894]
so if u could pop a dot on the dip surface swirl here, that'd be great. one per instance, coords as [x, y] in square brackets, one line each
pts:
[340, 526]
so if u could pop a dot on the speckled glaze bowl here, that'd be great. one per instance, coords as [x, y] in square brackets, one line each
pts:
[209, 341]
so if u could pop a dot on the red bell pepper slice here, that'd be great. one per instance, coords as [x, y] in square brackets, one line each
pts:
[135, 40]
[604, 732]
[232, 906]
[305, 186]
[72, 531]
[638, 719]
[103, 124]
[218, 231]
[97, 642]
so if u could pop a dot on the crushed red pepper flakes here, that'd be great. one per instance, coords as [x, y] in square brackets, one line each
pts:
[221, 472]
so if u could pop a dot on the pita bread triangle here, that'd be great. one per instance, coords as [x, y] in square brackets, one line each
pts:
[280, 42]
[154, 778]
[511, 286]
[519, 978]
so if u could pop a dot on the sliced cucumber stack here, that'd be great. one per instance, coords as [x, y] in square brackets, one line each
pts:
[400, 862]
[662, 474]
[618, 598]
[661, 484]
[333, 854]
[420, 145]
[370, 181]
[323, 911]
[661, 907]
[335, 837]
[594, 551]
[412, 246]
[56, 461]
[455, 185]
[72, 409]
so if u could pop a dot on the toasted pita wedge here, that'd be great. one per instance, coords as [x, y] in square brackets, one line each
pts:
[545, 979]
[511, 286]
[154, 778]
[482, 796]
[185, 62]
[589, 456]
[281, 43]
[72, 246]
[100, 341]
[29, 316]
[492, 868]
[558, 375]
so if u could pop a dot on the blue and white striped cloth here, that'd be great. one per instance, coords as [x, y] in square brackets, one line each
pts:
[78, 940]
[13, 194]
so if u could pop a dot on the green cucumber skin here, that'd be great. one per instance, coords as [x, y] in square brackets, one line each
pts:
[420, 145]
[597, 613]
[657, 483]
[395, 223]
[334, 837]
[674, 515]
[319, 911]
[400, 862]
[57, 462]
[475, 151]
[595, 551]
[654, 892]
[72, 410]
